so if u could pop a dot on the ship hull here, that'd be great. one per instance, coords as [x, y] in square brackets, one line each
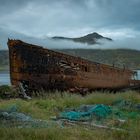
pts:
[41, 68]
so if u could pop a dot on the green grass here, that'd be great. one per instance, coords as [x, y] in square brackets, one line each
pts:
[76, 133]
[53, 103]
[4, 68]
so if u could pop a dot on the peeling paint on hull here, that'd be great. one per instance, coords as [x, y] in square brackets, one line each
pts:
[43, 68]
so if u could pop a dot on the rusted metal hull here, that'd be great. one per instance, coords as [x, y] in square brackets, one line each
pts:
[43, 68]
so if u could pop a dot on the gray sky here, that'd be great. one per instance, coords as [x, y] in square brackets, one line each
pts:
[118, 19]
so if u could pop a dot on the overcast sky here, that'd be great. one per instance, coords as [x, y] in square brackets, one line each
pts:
[118, 19]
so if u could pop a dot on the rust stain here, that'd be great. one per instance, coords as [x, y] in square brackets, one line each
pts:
[40, 68]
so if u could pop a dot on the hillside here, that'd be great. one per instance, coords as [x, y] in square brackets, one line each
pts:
[88, 39]
[4, 60]
[118, 57]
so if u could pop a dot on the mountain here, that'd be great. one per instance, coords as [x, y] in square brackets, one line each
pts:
[48, 41]
[90, 39]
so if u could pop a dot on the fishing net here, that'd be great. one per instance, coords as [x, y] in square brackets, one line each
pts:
[120, 109]
[87, 112]
[10, 117]
[126, 105]
[99, 113]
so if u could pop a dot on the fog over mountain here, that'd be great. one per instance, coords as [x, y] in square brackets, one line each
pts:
[48, 42]
[34, 21]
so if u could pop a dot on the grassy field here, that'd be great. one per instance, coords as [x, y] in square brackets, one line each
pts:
[52, 104]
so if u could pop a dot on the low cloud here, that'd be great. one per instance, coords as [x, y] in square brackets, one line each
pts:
[127, 43]
[68, 17]
[130, 41]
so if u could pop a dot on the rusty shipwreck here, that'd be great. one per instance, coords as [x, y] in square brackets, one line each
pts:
[40, 68]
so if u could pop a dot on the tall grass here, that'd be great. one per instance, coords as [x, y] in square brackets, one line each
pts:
[70, 133]
[53, 103]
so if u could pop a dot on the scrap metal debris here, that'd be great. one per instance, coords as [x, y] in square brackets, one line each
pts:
[23, 92]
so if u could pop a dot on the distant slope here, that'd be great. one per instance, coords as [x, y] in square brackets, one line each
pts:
[89, 39]
[118, 57]
[4, 60]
